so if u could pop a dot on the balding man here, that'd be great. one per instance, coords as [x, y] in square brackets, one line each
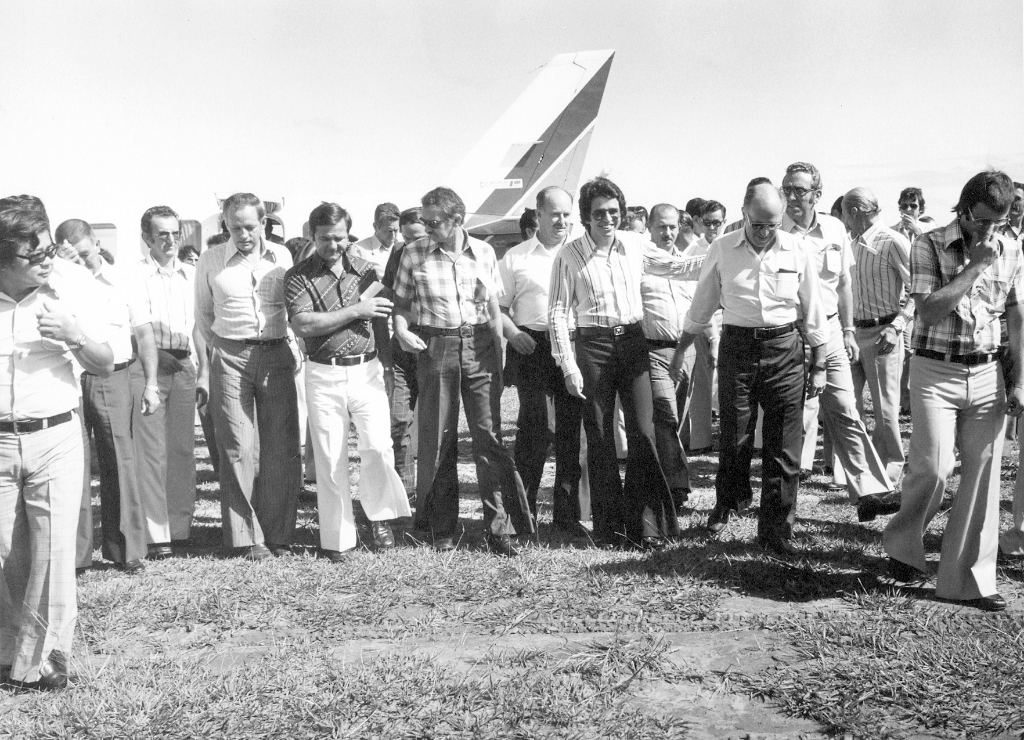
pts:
[526, 276]
[765, 280]
[827, 242]
[882, 306]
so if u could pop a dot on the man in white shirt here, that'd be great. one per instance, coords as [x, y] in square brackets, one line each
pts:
[525, 272]
[386, 230]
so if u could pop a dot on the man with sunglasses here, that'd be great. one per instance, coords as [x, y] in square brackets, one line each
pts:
[963, 277]
[828, 243]
[764, 279]
[48, 324]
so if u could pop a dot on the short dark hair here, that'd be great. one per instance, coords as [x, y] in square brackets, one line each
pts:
[528, 220]
[810, 169]
[447, 200]
[218, 238]
[296, 244]
[386, 212]
[837, 206]
[328, 214]
[710, 206]
[1018, 185]
[184, 252]
[157, 212]
[411, 216]
[908, 193]
[31, 202]
[992, 188]
[685, 219]
[238, 201]
[20, 224]
[759, 181]
[73, 231]
[639, 212]
[600, 187]
[693, 206]
[655, 210]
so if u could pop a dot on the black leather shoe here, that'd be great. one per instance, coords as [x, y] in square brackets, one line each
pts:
[5, 675]
[336, 556]
[877, 504]
[53, 675]
[132, 567]
[256, 552]
[573, 529]
[160, 551]
[904, 573]
[501, 544]
[383, 537]
[652, 543]
[679, 498]
[993, 603]
[718, 518]
[778, 546]
[280, 551]
[444, 544]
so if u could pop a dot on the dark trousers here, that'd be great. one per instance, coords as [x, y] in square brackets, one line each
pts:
[539, 381]
[769, 372]
[669, 406]
[403, 391]
[468, 367]
[642, 506]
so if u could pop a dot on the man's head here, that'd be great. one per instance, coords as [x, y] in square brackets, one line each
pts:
[1017, 207]
[443, 213]
[189, 255]
[762, 211]
[385, 224]
[329, 225]
[24, 201]
[836, 211]
[602, 207]
[161, 230]
[528, 224]
[411, 224]
[245, 218]
[802, 188]
[712, 216]
[664, 225]
[554, 209]
[859, 209]
[984, 204]
[216, 239]
[637, 219]
[693, 207]
[80, 236]
[911, 202]
[26, 249]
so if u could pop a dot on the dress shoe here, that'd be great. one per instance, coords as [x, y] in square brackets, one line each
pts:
[652, 543]
[53, 675]
[501, 544]
[904, 573]
[805, 474]
[993, 603]
[444, 544]
[256, 552]
[5, 674]
[778, 546]
[572, 528]
[280, 551]
[336, 556]
[679, 498]
[383, 537]
[160, 551]
[718, 518]
[877, 504]
[132, 567]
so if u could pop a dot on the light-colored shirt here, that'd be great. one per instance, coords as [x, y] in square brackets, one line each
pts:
[666, 302]
[449, 290]
[770, 288]
[602, 286]
[525, 272]
[831, 251]
[116, 295]
[373, 250]
[236, 299]
[926, 226]
[37, 376]
[881, 276]
[166, 298]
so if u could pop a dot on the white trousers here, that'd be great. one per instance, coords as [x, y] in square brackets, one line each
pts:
[336, 396]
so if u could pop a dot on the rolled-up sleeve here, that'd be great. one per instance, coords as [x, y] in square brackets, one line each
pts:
[708, 296]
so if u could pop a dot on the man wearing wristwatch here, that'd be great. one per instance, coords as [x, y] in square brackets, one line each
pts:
[47, 323]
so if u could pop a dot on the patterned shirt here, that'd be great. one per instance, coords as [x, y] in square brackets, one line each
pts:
[237, 300]
[972, 327]
[602, 286]
[881, 276]
[312, 286]
[449, 290]
[830, 247]
[166, 297]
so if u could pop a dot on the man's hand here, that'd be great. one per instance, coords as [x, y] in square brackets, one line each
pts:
[202, 390]
[983, 252]
[150, 400]
[66, 252]
[1014, 401]
[167, 363]
[675, 368]
[56, 325]
[912, 225]
[887, 340]
[816, 379]
[373, 308]
[574, 384]
[408, 341]
[852, 348]
[523, 343]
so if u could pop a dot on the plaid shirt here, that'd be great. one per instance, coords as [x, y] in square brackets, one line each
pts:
[973, 326]
[449, 291]
[312, 286]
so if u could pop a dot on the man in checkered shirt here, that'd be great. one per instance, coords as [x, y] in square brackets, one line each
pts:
[963, 277]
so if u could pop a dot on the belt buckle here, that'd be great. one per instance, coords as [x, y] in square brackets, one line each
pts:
[618, 331]
[467, 330]
[14, 427]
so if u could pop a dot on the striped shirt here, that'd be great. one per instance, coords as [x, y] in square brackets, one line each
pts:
[830, 247]
[312, 286]
[602, 286]
[973, 326]
[881, 276]
[166, 298]
[449, 290]
[238, 300]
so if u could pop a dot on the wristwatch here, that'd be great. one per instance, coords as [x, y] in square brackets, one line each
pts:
[80, 342]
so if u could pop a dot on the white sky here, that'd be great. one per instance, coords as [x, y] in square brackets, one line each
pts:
[107, 108]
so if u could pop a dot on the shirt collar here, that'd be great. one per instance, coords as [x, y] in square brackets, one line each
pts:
[265, 251]
[869, 234]
[536, 244]
[466, 241]
[175, 265]
[791, 226]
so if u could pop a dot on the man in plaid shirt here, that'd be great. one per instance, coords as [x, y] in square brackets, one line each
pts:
[963, 277]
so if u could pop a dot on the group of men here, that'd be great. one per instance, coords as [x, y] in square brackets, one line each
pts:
[793, 310]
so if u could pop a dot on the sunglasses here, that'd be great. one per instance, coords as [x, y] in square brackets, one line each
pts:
[431, 223]
[40, 255]
[793, 190]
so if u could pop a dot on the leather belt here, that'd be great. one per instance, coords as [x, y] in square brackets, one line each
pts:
[543, 336]
[178, 354]
[347, 360]
[466, 330]
[761, 332]
[621, 330]
[880, 321]
[662, 343]
[958, 359]
[118, 366]
[266, 342]
[831, 316]
[27, 426]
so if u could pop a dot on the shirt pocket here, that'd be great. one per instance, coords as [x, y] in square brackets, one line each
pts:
[992, 291]
[786, 286]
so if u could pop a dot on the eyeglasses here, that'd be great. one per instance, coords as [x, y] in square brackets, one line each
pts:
[909, 206]
[768, 228]
[712, 224]
[431, 223]
[598, 215]
[37, 257]
[987, 223]
[788, 190]
[172, 237]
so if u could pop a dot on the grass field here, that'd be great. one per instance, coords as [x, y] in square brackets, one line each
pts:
[710, 638]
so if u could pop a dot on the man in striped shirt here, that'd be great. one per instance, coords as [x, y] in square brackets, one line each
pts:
[882, 306]
[597, 277]
[963, 277]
